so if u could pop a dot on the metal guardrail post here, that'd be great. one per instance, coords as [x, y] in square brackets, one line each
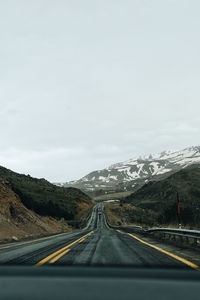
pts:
[183, 235]
[195, 242]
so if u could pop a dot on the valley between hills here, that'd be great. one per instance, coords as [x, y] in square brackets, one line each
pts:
[146, 190]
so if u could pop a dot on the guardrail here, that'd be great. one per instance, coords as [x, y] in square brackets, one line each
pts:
[124, 228]
[183, 235]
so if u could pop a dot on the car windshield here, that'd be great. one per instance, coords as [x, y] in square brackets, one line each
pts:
[99, 156]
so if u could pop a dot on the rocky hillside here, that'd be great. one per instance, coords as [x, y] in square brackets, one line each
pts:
[161, 197]
[131, 174]
[45, 198]
[17, 221]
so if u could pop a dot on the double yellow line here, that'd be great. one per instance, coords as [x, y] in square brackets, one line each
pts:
[58, 254]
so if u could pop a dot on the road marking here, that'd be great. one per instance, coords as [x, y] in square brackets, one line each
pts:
[41, 239]
[46, 259]
[185, 261]
[82, 240]
[59, 256]
[121, 231]
[90, 220]
[32, 241]
[105, 221]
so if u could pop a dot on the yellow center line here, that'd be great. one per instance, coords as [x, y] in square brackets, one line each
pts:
[46, 259]
[58, 256]
[82, 240]
[121, 231]
[185, 261]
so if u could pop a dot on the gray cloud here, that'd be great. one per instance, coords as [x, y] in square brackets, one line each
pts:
[85, 84]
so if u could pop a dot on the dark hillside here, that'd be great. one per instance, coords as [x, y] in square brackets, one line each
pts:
[161, 197]
[18, 222]
[43, 197]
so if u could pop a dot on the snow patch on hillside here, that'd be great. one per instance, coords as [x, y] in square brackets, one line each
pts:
[142, 168]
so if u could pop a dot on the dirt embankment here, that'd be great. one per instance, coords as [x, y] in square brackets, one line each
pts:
[127, 214]
[17, 222]
[84, 207]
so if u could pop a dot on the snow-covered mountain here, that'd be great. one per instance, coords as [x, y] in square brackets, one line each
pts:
[127, 174]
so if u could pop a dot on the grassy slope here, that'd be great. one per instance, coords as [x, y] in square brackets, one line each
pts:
[127, 214]
[161, 197]
[113, 196]
[45, 198]
[18, 222]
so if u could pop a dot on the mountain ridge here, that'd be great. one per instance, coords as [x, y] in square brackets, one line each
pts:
[129, 174]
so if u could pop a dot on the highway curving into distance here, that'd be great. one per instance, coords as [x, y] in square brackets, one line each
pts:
[95, 245]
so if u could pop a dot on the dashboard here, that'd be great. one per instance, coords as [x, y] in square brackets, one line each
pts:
[95, 283]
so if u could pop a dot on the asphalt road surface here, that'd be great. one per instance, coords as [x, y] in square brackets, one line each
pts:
[95, 245]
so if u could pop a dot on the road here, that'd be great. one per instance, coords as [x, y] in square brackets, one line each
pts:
[95, 245]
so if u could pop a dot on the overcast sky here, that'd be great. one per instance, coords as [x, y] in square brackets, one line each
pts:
[88, 83]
